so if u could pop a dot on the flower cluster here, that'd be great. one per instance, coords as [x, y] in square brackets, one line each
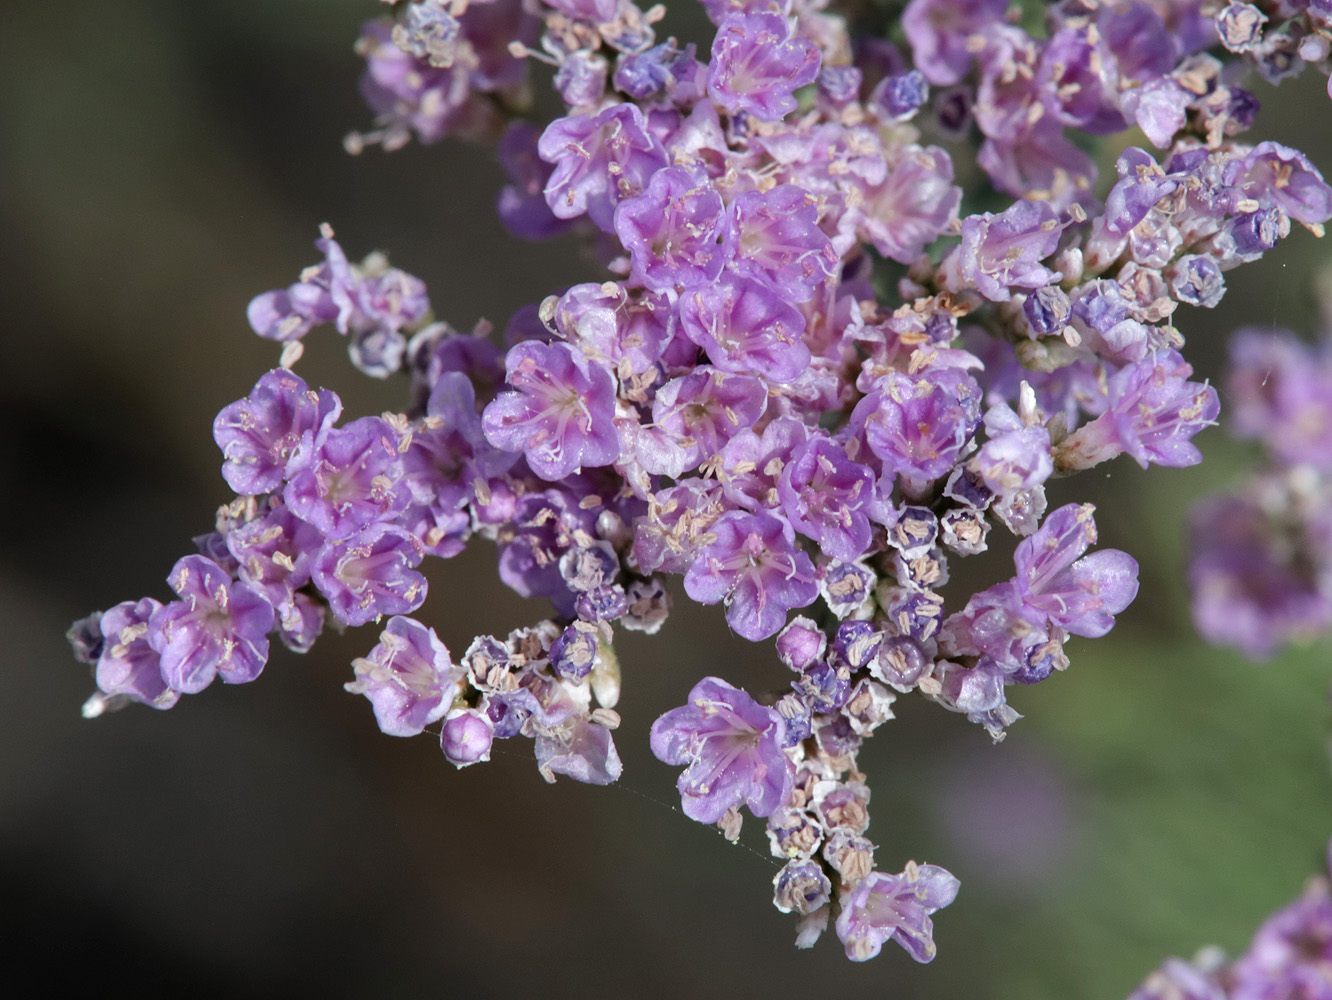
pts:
[806, 381]
[1261, 565]
[1289, 956]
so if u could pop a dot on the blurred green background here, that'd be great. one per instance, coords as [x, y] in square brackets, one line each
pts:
[162, 162]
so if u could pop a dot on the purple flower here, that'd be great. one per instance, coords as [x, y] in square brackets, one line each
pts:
[918, 425]
[1017, 455]
[1280, 391]
[1153, 412]
[1004, 251]
[290, 313]
[562, 414]
[940, 32]
[1291, 955]
[408, 677]
[128, 664]
[262, 435]
[273, 553]
[1254, 571]
[1081, 594]
[599, 160]
[674, 231]
[352, 479]
[371, 573]
[777, 241]
[580, 749]
[752, 463]
[732, 748]
[746, 328]
[449, 457]
[1276, 175]
[754, 566]
[912, 206]
[218, 628]
[623, 334]
[522, 202]
[825, 495]
[757, 65]
[695, 415]
[896, 907]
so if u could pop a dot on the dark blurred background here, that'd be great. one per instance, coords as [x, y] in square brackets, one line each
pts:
[162, 162]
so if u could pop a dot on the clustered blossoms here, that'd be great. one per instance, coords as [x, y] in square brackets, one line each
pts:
[1289, 957]
[1261, 567]
[806, 382]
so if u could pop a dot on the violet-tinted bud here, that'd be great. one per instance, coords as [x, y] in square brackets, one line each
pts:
[466, 737]
[799, 718]
[1047, 310]
[649, 605]
[581, 79]
[835, 735]
[602, 604]
[849, 854]
[913, 531]
[823, 687]
[794, 833]
[964, 531]
[912, 609]
[801, 644]
[85, 637]
[869, 706]
[901, 96]
[838, 86]
[952, 111]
